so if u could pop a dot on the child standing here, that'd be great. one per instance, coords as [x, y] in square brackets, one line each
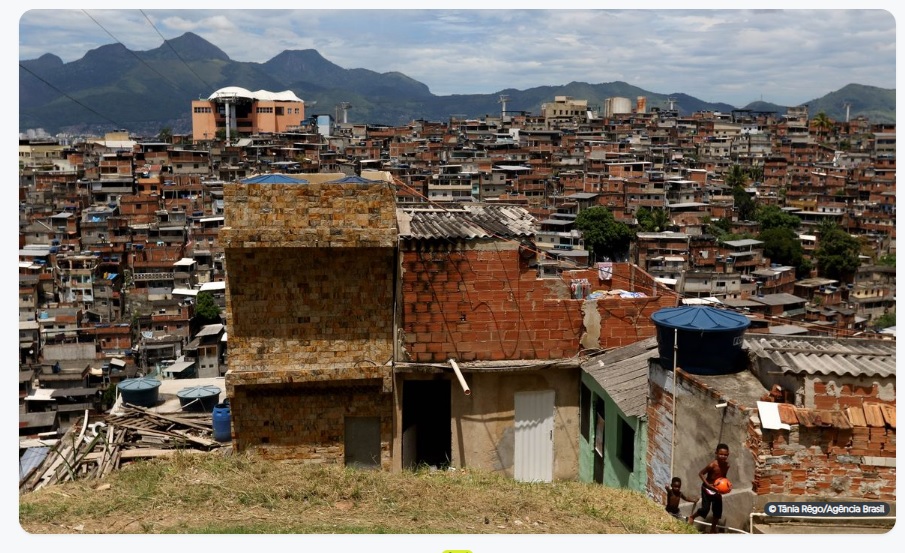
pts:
[674, 495]
[710, 497]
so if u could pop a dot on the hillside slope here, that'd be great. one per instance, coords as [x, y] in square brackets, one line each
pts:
[213, 493]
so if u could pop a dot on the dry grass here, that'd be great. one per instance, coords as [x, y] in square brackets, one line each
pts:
[243, 494]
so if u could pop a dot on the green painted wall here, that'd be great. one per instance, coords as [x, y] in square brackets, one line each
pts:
[615, 472]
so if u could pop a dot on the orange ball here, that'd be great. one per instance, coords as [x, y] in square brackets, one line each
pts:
[722, 485]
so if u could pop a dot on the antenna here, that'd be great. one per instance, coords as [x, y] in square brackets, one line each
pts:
[672, 103]
[503, 99]
[846, 105]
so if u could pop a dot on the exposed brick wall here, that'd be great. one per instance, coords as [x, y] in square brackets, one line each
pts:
[488, 304]
[842, 392]
[825, 463]
[307, 421]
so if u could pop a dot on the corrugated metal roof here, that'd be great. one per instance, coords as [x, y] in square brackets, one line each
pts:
[819, 355]
[623, 372]
[465, 222]
[781, 298]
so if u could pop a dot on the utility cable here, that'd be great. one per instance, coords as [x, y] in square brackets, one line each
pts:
[101, 115]
[135, 55]
[167, 42]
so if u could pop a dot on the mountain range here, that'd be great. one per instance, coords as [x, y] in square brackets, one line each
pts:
[112, 87]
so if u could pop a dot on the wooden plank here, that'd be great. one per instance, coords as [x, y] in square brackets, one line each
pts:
[145, 453]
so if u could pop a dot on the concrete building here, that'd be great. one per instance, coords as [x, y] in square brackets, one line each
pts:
[234, 111]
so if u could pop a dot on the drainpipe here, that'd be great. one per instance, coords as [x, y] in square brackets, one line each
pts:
[461, 378]
[675, 397]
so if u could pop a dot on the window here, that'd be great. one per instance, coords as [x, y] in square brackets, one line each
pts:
[584, 402]
[599, 426]
[625, 436]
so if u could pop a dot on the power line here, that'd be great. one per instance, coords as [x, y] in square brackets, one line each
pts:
[134, 55]
[167, 42]
[33, 74]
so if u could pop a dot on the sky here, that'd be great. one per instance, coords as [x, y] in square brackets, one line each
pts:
[784, 56]
[736, 56]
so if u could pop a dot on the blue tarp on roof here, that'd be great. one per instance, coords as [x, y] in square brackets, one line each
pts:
[353, 179]
[706, 318]
[273, 178]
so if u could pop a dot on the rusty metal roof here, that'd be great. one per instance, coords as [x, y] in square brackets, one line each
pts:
[819, 355]
[622, 372]
[466, 221]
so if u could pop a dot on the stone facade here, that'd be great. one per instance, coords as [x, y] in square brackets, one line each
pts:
[309, 298]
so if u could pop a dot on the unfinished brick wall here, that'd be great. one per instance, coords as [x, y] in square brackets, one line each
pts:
[487, 303]
[306, 421]
[843, 392]
[825, 463]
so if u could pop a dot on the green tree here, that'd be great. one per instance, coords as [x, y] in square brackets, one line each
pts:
[885, 320]
[837, 253]
[206, 309]
[772, 216]
[165, 135]
[887, 260]
[822, 123]
[603, 234]
[652, 220]
[736, 176]
[743, 202]
[781, 245]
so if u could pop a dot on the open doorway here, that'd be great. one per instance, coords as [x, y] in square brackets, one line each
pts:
[426, 424]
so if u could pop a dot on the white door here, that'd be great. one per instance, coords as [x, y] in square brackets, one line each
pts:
[534, 436]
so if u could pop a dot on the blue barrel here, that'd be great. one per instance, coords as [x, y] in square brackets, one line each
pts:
[221, 417]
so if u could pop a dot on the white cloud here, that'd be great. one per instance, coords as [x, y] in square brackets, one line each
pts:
[734, 56]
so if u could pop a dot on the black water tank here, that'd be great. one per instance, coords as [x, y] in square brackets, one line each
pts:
[709, 339]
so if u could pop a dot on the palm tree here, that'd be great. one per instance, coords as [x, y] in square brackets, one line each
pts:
[737, 176]
[822, 123]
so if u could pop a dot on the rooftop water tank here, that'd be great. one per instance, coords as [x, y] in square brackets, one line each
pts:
[141, 391]
[199, 398]
[709, 339]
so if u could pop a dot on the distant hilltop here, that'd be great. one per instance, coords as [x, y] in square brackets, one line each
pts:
[144, 91]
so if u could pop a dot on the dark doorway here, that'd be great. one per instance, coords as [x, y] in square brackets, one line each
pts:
[426, 424]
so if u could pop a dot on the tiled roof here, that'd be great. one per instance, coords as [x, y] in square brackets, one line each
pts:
[818, 355]
[464, 222]
[875, 415]
[622, 372]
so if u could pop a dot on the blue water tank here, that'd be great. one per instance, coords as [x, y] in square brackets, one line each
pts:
[142, 391]
[709, 339]
[222, 423]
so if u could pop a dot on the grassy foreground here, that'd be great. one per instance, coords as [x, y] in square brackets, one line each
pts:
[244, 494]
